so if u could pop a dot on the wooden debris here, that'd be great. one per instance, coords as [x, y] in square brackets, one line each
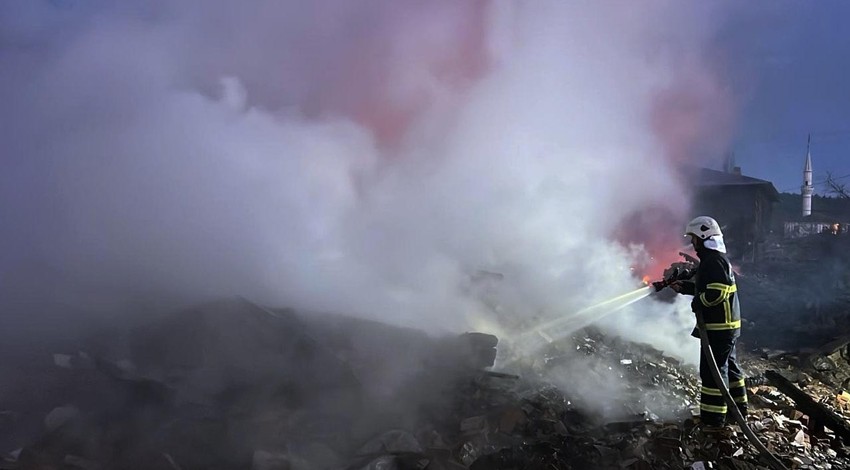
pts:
[809, 406]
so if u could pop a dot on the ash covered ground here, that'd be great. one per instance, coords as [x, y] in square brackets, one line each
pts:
[233, 385]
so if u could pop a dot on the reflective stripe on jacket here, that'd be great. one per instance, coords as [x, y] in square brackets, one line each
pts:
[715, 291]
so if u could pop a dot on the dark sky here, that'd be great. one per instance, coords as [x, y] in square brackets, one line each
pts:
[790, 64]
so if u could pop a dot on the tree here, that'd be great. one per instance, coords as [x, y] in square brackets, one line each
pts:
[835, 187]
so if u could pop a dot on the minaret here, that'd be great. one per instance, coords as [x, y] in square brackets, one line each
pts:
[807, 189]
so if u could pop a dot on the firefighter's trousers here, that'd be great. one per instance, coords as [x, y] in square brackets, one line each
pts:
[712, 406]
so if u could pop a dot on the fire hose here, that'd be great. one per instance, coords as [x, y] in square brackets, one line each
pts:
[731, 406]
[683, 273]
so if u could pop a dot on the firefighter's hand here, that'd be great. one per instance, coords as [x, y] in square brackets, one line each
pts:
[676, 286]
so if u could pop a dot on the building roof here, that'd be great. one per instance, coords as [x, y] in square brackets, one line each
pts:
[712, 178]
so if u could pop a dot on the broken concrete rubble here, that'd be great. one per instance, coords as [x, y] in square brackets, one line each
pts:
[806, 404]
[232, 385]
[831, 362]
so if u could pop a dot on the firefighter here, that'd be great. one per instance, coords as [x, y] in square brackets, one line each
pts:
[715, 295]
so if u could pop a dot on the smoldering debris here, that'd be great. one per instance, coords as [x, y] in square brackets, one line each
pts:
[799, 296]
[230, 385]
[613, 378]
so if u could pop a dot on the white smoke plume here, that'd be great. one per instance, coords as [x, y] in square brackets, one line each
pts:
[361, 157]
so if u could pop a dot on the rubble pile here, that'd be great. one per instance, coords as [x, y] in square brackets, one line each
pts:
[228, 385]
[647, 381]
[831, 363]
[793, 304]
[822, 374]
[557, 432]
[234, 386]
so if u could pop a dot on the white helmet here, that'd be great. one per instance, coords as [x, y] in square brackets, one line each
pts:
[703, 227]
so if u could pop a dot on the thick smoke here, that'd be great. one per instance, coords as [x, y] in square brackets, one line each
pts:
[370, 157]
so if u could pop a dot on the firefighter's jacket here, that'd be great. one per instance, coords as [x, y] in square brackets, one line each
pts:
[715, 292]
